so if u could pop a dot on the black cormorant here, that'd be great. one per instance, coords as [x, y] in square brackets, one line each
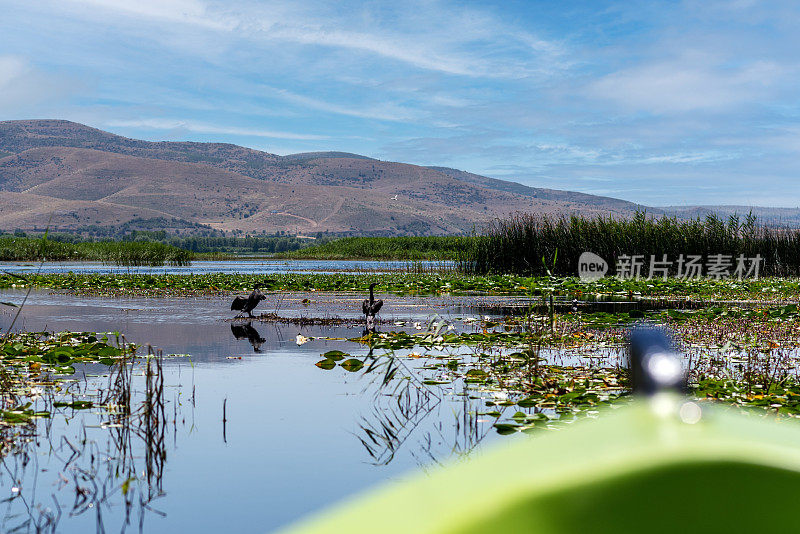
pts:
[371, 307]
[246, 304]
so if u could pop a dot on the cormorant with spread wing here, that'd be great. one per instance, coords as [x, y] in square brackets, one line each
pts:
[246, 304]
[371, 307]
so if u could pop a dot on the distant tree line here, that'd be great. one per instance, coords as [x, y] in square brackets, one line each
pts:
[120, 232]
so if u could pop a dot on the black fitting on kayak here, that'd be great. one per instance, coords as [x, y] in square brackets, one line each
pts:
[655, 365]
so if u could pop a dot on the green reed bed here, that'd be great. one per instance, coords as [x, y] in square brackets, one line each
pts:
[116, 252]
[388, 248]
[531, 244]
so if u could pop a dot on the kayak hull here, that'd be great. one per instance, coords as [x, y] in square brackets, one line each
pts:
[637, 468]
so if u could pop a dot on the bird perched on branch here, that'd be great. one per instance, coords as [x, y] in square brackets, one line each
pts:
[246, 304]
[371, 307]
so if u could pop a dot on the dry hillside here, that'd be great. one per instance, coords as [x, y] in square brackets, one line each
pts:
[74, 176]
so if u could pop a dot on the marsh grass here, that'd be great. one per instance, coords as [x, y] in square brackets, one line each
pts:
[121, 465]
[541, 369]
[388, 248]
[116, 252]
[533, 245]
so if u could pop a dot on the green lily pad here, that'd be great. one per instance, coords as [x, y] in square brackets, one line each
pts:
[335, 355]
[352, 364]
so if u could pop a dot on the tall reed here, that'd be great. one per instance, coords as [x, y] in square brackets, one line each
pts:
[532, 245]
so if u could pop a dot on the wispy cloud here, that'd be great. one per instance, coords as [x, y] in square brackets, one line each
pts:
[388, 112]
[11, 69]
[192, 12]
[644, 100]
[24, 88]
[688, 83]
[199, 127]
[450, 48]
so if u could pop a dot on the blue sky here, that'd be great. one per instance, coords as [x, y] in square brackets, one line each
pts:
[662, 103]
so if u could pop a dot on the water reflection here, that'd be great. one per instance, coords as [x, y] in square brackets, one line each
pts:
[246, 331]
[398, 408]
[285, 418]
[239, 266]
[97, 467]
[402, 404]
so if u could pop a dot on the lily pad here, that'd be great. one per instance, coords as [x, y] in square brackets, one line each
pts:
[326, 364]
[352, 364]
[335, 355]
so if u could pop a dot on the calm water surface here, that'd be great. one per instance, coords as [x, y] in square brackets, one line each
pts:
[294, 439]
[238, 266]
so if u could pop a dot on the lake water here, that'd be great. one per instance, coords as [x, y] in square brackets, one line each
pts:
[238, 266]
[296, 438]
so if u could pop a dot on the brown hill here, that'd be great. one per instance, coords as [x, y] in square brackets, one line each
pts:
[76, 176]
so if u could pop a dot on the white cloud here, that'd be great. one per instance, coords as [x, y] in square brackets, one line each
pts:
[388, 111]
[200, 127]
[416, 54]
[562, 151]
[680, 158]
[11, 69]
[691, 90]
[23, 87]
[687, 84]
[449, 101]
[191, 12]
[437, 40]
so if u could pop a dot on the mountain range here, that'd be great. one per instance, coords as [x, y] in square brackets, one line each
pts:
[70, 177]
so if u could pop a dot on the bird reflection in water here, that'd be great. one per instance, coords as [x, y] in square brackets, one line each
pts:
[246, 331]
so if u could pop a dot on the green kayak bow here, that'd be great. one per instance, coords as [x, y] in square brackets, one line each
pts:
[663, 463]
